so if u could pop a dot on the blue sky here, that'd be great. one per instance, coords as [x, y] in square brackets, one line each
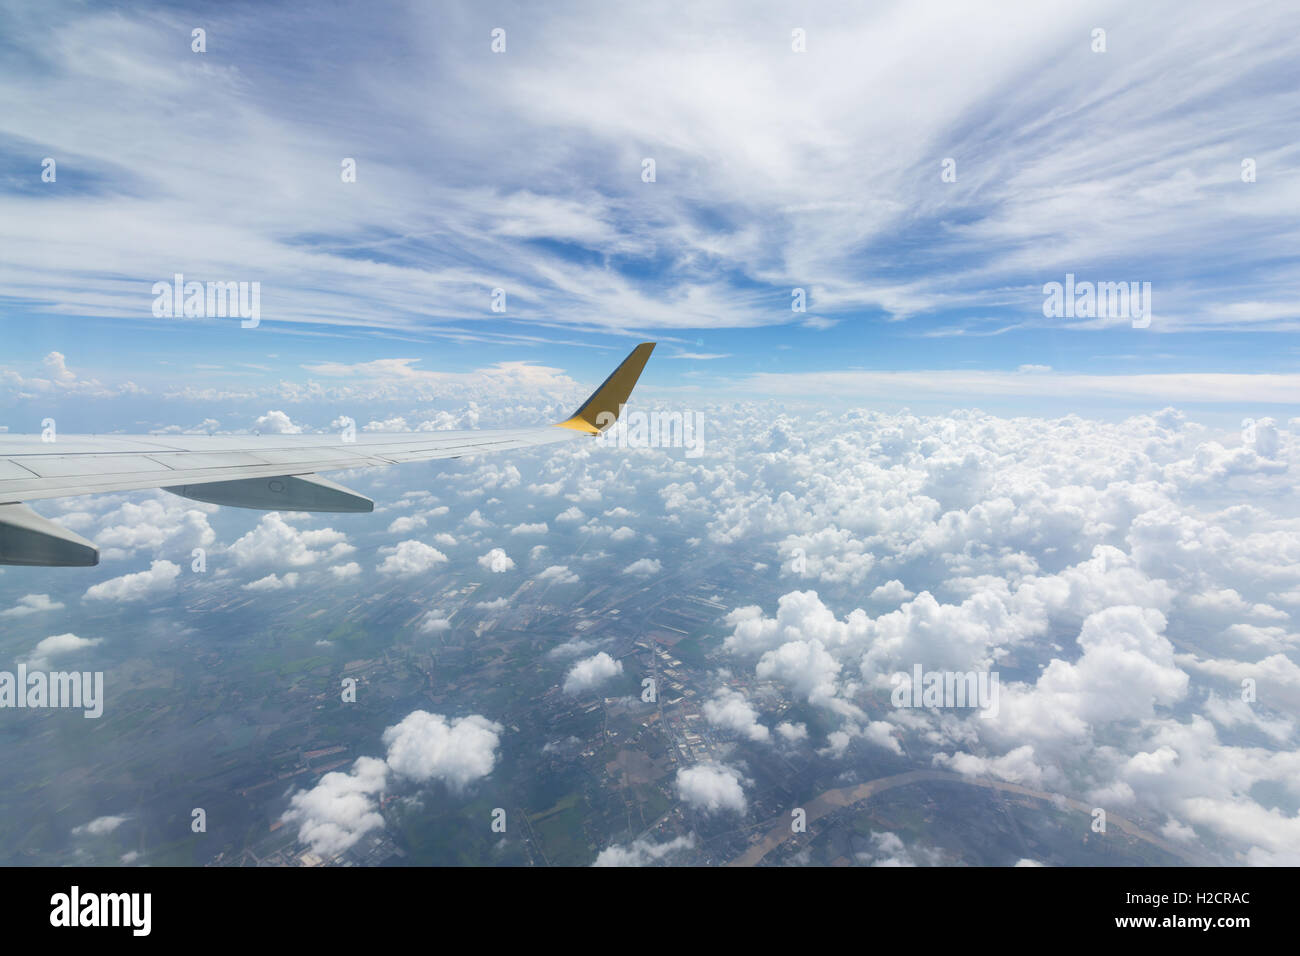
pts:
[521, 170]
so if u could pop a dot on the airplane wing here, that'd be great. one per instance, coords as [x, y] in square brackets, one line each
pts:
[267, 472]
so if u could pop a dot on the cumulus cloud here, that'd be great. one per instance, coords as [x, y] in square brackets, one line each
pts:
[56, 366]
[424, 747]
[571, 648]
[342, 807]
[712, 787]
[729, 710]
[590, 672]
[1126, 669]
[805, 666]
[892, 592]
[832, 554]
[889, 850]
[434, 623]
[791, 732]
[644, 568]
[140, 586]
[163, 523]
[276, 542]
[99, 826]
[496, 561]
[32, 604]
[58, 645]
[274, 582]
[1233, 712]
[643, 852]
[1017, 766]
[406, 524]
[557, 574]
[411, 557]
[1118, 565]
[276, 423]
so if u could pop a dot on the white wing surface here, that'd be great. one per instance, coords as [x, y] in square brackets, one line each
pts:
[269, 472]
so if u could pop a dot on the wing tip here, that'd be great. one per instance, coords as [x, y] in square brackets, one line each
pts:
[602, 407]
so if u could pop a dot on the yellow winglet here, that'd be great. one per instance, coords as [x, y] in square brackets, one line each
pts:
[601, 410]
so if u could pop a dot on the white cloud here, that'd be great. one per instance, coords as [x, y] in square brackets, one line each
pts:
[274, 582]
[643, 852]
[163, 523]
[407, 523]
[589, 673]
[889, 850]
[557, 574]
[496, 561]
[99, 826]
[892, 592]
[410, 557]
[537, 528]
[32, 604]
[644, 568]
[1018, 766]
[276, 423]
[1126, 669]
[729, 710]
[424, 747]
[58, 645]
[571, 648]
[804, 666]
[434, 623]
[341, 808]
[140, 586]
[712, 788]
[276, 542]
[792, 733]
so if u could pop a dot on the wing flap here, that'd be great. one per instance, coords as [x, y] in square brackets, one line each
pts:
[281, 493]
[64, 466]
[34, 540]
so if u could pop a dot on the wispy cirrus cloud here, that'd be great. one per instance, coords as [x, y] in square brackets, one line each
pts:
[774, 169]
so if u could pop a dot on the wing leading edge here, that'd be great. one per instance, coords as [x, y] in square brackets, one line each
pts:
[265, 472]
